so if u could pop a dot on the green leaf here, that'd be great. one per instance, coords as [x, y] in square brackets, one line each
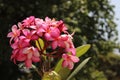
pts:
[64, 72]
[39, 43]
[82, 50]
[80, 66]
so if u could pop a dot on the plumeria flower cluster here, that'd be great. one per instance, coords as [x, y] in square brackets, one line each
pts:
[54, 34]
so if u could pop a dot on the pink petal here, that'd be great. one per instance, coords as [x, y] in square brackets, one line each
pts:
[55, 32]
[28, 63]
[35, 37]
[64, 63]
[36, 54]
[10, 34]
[35, 59]
[26, 32]
[21, 58]
[29, 55]
[24, 43]
[20, 26]
[40, 31]
[14, 45]
[33, 27]
[25, 50]
[48, 36]
[14, 52]
[14, 28]
[54, 45]
[11, 40]
[61, 26]
[73, 50]
[70, 65]
[64, 37]
[61, 44]
[74, 58]
[65, 56]
[47, 19]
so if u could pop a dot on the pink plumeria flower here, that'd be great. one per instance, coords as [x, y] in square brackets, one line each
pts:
[14, 55]
[18, 47]
[39, 26]
[32, 54]
[51, 22]
[14, 34]
[17, 55]
[52, 33]
[70, 46]
[29, 21]
[69, 60]
[60, 41]
[29, 35]
[61, 26]
[21, 26]
[19, 44]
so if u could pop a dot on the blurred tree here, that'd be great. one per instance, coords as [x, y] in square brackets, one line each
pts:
[92, 21]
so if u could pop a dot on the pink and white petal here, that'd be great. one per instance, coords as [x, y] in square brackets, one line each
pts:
[20, 26]
[64, 37]
[70, 65]
[18, 32]
[65, 56]
[33, 27]
[47, 19]
[74, 58]
[25, 50]
[11, 40]
[10, 34]
[32, 32]
[14, 28]
[29, 55]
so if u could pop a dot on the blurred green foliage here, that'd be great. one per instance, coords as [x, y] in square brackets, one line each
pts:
[92, 21]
